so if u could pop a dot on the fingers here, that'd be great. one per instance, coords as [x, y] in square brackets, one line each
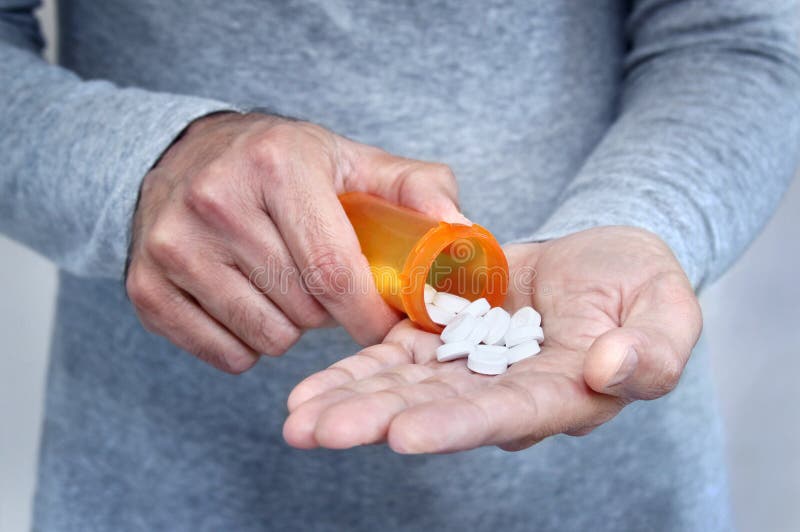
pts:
[404, 358]
[259, 195]
[427, 187]
[435, 408]
[514, 412]
[261, 253]
[644, 358]
[404, 344]
[359, 412]
[305, 428]
[167, 311]
[302, 202]
[366, 363]
[226, 295]
[235, 219]
[365, 418]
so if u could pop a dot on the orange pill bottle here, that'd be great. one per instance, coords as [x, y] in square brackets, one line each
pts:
[407, 249]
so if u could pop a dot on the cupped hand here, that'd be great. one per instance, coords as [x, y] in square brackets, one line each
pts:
[240, 243]
[620, 320]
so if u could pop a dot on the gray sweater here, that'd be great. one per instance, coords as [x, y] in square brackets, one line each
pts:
[680, 116]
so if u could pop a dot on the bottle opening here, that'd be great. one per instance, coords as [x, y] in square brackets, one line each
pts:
[459, 259]
[462, 268]
[406, 249]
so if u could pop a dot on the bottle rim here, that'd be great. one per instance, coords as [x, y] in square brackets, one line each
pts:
[420, 261]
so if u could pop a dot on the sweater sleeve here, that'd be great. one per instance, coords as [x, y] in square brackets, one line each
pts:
[74, 151]
[708, 131]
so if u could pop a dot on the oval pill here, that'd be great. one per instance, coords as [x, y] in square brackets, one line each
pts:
[439, 315]
[525, 333]
[459, 328]
[488, 360]
[479, 307]
[450, 302]
[526, 316]
[494, 349]
[453, 351]
[479, 330]
[498, 321]
[428, 294]
[522, 351]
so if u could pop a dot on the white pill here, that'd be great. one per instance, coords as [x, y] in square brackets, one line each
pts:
[488, 359]
[479, 307]
[526, 316]
[450, 302]
[494, 349]
[478, 332]
[459, 328]
[522, 351]
[439, 315]
[497, 320]
[454, 350]
[429, 293]
[526, 333]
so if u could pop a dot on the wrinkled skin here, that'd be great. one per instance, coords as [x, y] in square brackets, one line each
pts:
[239, 238]
[603, 293]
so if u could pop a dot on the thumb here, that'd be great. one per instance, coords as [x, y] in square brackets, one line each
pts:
[430, 188]
[644, 358]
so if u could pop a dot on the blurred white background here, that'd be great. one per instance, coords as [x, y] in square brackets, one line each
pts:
[752, 323]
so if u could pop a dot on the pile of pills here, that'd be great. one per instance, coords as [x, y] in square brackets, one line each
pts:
[490, 338]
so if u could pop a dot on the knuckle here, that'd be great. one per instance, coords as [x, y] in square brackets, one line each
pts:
[150, 326]
[314, 317]
[266, 150]
[282, 339]
[520, 444]
[207, 196]
[261, 331]
[424, 172]
[427, 182]
[582, 431]
[142, 291]
[235, 364]
[165, 246]
[326, 273]
[283, 131]
[445, 172]
[277, 340]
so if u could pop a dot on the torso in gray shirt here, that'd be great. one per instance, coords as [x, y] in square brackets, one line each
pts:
[514, 95]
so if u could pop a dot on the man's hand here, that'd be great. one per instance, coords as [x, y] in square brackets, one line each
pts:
[620, 320]
[240, 242]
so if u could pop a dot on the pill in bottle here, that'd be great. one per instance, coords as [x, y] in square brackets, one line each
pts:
[407, 249]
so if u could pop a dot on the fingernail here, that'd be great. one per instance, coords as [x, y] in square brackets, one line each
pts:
[456, 218]
[625, 369]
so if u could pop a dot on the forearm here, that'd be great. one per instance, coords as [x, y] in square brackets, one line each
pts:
[75, 152]
[707, 136]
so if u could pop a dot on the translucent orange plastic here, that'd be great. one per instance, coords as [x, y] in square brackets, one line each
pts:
[406, 249]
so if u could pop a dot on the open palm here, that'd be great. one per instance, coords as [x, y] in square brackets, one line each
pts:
[620, 320]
